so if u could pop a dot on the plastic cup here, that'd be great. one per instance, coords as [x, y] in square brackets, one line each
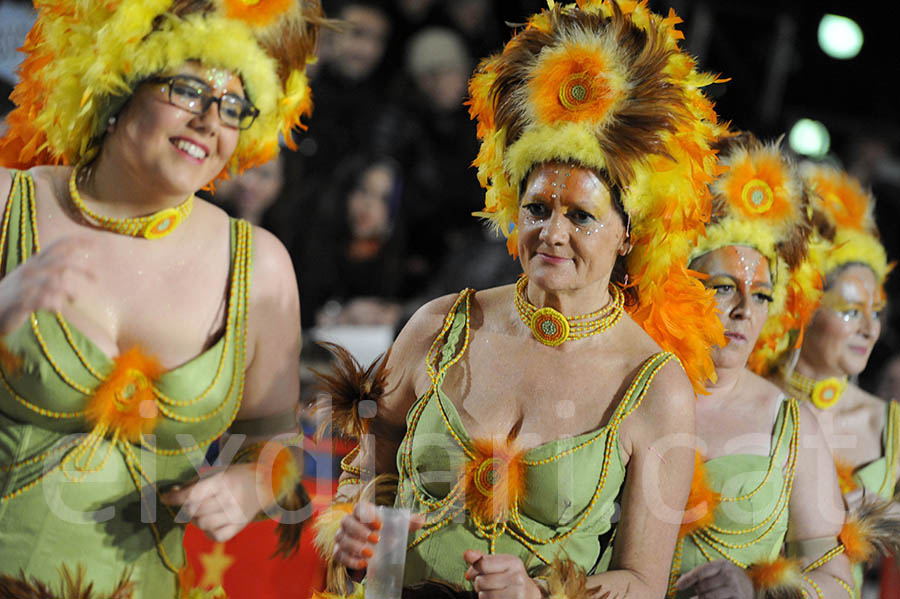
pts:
[384, 576]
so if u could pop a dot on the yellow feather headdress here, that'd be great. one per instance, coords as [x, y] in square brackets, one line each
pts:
[84, 60]
[760, 201]
[848, 211]
[844, 232]
[605, 85]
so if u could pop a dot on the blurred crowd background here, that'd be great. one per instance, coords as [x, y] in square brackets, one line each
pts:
[375, 205]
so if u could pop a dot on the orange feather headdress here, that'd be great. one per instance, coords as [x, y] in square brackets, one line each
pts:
[84, 59]
[604, 84]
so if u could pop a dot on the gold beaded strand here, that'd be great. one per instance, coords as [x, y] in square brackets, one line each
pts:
[552, 328]
[153, 226]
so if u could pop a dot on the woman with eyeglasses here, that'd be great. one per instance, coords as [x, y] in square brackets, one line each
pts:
[139, 323]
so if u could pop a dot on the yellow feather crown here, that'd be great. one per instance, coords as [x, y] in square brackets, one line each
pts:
[605, 85]
[84, 59]
[849, 210]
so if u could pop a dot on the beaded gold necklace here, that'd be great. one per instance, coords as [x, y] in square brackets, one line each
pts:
[552, 328]
[823, 394]
[153, 226]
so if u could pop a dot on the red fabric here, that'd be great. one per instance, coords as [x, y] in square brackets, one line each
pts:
[890, 579]
[253, 574]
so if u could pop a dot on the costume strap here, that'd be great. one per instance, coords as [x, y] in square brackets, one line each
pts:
[786, 430]
[456, 325]
[641, 383]
[891, 444]
[265, 426]
[18, 236]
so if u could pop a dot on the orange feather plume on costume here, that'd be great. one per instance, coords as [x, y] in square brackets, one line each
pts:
[855, 539]
[124, 403]
[10, 361]
[699, 512]
[495, 479]
[845, 476]
[781, 574]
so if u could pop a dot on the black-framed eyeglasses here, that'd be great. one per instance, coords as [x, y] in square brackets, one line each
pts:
[195, 96]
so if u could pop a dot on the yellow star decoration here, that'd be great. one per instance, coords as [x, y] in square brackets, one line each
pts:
[214, 565]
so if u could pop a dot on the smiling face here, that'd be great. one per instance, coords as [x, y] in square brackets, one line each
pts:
[846, 326]
[740, 277]
[570, 234]
[174, 150]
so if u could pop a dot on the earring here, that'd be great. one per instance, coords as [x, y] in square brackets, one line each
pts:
[111, 122]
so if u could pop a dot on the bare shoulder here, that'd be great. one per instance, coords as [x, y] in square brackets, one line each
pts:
[422, 328]
[670, 390]
[273, 270]
[5, 182]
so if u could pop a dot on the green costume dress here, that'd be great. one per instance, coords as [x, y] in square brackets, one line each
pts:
[751, 519]
[567, 507]
[74, 495]
[879, 476]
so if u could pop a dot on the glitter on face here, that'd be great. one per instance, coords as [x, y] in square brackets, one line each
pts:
[217, 78]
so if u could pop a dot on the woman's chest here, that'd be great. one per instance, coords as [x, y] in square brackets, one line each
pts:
[533, 401]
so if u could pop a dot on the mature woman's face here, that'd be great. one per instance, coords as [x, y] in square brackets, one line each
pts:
[176, 149]
[846, 326]
[740, 277]
[569, 231]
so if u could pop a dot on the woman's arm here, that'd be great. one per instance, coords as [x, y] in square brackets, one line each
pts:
[222, 504]
[659, 441]
[816, 509]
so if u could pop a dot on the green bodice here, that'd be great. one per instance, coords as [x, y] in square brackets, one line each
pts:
[73, 494]
[879, 476]
[751, 519]
[567, 504]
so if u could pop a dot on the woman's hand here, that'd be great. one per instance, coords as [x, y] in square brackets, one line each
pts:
[49, 280]
[355, 540]
[500, 576]
[717, 580]
[222, 504]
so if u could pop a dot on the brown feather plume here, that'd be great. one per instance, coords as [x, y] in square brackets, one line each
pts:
[72, 586]
[654, 105]
[567, 579]
[348, 385]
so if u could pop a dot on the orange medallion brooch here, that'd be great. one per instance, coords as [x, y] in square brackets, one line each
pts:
[495, 479]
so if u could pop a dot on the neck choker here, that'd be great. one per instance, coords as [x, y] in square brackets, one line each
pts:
[153, 226]
[823, 394]
[552, 328]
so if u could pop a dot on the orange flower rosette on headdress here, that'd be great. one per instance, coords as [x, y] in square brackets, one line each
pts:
[604, 84]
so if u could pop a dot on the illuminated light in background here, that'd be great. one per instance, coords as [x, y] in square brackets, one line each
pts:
[840, 37]
[809, 138]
